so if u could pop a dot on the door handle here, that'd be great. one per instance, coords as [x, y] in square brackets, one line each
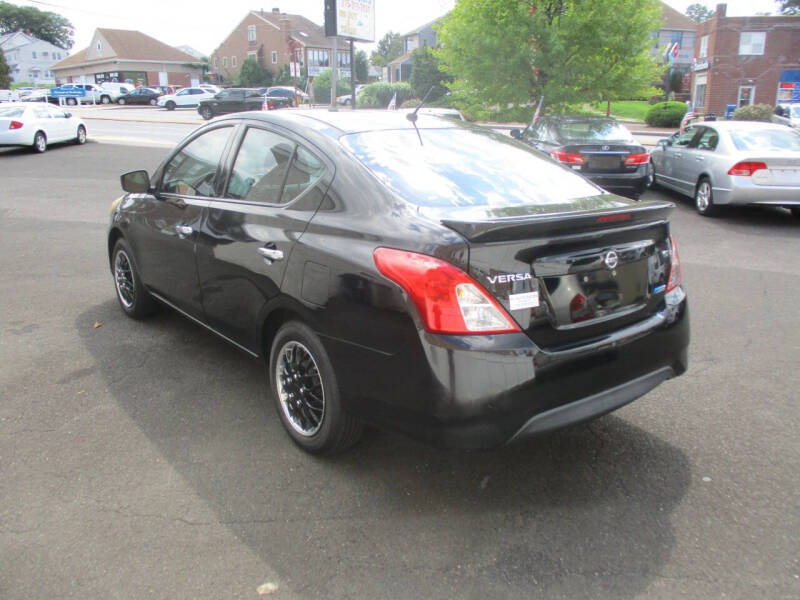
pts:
[270, 254]
[184, 230]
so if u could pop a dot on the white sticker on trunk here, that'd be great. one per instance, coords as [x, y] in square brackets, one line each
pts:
[526, 300]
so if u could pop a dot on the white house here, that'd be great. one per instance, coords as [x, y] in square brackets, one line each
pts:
[29, 59]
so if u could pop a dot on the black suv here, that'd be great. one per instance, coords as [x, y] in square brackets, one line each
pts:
[231, 100]
[418, 274]
[599, 148]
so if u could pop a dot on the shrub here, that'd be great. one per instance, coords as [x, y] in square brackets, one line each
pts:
[666, 114]
[410, 103]
[322, 87]
[378, 95]
[754, 112]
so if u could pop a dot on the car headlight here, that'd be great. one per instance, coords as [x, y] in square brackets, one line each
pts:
[114, 205]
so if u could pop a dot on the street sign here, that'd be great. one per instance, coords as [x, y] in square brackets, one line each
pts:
[68, 92]
[354, 19]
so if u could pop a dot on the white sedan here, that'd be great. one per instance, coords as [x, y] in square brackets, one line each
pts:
[190, 96]
[37, 125]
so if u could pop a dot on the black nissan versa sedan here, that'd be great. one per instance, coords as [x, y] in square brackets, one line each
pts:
[425, 276]
[599, 148]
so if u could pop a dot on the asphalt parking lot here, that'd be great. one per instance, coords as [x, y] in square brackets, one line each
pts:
[139, 459]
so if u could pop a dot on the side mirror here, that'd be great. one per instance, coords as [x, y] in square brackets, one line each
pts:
[135, 182]
[664, 143]
[516, 133]
[67, 115]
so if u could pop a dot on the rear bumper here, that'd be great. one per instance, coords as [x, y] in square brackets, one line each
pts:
[744, 191]
[626, 184]
[484, 391]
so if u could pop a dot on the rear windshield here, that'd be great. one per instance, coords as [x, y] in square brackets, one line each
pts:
[766, 139]
[605, 131]
[11, 111]
[465, 167]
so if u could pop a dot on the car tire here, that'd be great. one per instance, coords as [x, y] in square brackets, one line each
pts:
[704, 198]
[153, 101]
[170, 105]
[206, 113]
[121, 101]
[105, 99]
[80, 137]
[133, 297]
[72, 101]
[39, 142]
[304, 388]
[651, 176]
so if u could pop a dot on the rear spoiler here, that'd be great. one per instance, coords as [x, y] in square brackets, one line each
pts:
[560, 223]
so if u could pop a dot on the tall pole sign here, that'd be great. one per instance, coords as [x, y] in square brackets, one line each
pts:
[353, 19]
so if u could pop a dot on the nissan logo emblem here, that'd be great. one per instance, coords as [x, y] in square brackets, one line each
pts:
[611, 259]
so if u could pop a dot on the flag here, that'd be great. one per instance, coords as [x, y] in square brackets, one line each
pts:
[393, 103]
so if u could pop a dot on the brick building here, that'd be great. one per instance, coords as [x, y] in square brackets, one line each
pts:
[266, 37]
[745, 60]
[128, 56]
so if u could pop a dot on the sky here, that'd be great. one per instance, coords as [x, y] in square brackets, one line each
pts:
[197, 24]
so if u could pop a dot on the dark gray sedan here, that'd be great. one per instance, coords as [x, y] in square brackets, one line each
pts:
[732, 163]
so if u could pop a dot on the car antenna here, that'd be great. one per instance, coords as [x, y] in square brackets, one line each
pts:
[412, 116]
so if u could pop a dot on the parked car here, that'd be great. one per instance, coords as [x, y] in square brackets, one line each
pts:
[466, 291]
[116, 90]
[94, 94]
[166, 89]
[231, 100]
[295, 97]
[9, 96]
[347, 99]
[789, 112]
[190, 96]
[140, 96]
[599, 148]
[720, 163]
[38, 125]
[35, 95]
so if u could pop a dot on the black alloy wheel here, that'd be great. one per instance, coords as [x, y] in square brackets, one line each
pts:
[306, 394]
[170, 105]
[121, 101]
[105, 99]
[206, 113]
[80, 138]
[39, 142]
[133, 298]
[651, 175]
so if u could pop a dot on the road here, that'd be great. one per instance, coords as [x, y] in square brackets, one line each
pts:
[139, 460]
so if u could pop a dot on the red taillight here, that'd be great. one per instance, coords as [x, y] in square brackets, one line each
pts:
[448, 300]
[15, 125]
[746, 168]
[637, 159]
[674, 279]
[568, 158]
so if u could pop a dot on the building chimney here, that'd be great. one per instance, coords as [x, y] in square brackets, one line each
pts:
[285, 24]
[721, 10]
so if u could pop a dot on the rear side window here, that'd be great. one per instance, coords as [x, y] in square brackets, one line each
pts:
[193, 170]
[272, 169]
[766, 139]
[466, 167]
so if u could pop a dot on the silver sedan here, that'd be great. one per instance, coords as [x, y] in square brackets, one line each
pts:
[732, 162]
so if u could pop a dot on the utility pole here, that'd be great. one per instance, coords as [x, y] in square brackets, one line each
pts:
[352, 76]
[334, 72]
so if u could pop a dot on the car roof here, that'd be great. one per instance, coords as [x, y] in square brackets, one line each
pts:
[740, 125]
[338, 123]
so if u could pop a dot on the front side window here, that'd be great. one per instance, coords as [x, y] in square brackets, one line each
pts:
[703, 47]
[193, 170]
[708, 139]
[272, 169]
[752, 42]
[686, 137]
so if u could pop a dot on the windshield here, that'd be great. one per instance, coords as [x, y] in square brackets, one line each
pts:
[766, 139]
[466, 168]
[594, 130]
[11, 111]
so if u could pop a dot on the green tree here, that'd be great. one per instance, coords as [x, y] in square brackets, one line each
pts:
[362, 66]
[507, 51]
[5, 80]
[322, 87]
[790, 7]
[253, 74]
[46, 26]
[389, 47]
[699, 13]
[425, 74]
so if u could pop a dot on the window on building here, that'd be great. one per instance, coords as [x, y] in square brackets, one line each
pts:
[274, 57]
[33, 54]
[224, 62]
[344, 59]
[703, 47]
[45, 54]
[751, 43]
[215, 63]
[233, 61]
[700, 92]
[746, 94]
[251, 33]
[99, 46]
[252, 55]
[676, 36]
